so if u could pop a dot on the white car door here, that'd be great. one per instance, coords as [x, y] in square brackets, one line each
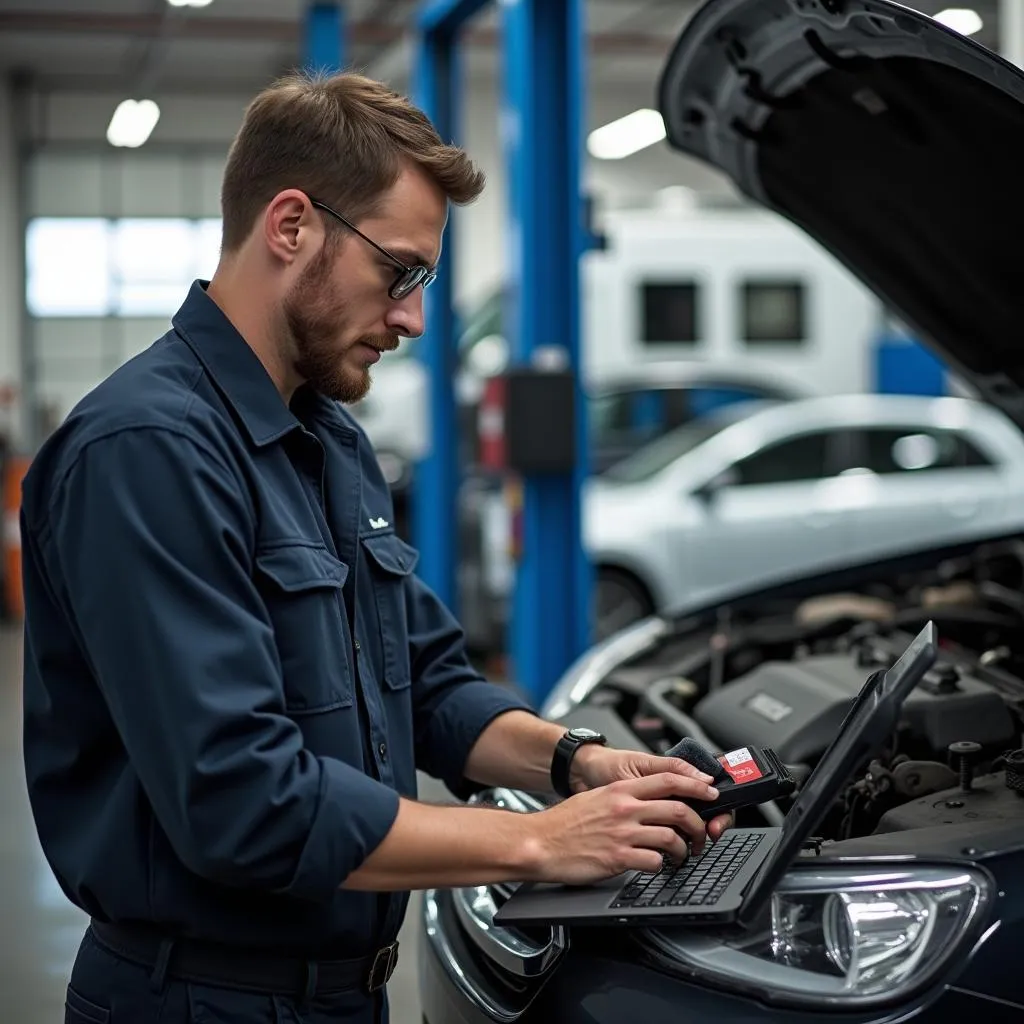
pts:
[928, 485]
[777, 513]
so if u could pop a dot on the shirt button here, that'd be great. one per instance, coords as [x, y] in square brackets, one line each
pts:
[357, 645]
[383, 751]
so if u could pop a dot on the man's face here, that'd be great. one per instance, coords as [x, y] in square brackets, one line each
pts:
[339, 313]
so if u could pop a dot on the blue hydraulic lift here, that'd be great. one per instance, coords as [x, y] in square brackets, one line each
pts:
[325, 37]
[543, 105]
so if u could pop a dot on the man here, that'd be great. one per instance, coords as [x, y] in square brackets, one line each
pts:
[231, 669]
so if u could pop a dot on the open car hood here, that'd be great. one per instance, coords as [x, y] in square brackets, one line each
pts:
[893, 141]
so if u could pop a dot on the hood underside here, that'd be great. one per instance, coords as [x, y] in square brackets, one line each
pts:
[894, 142]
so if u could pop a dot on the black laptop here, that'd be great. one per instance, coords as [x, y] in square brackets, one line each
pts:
[732, 880]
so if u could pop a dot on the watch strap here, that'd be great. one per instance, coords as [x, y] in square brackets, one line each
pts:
[561, 762]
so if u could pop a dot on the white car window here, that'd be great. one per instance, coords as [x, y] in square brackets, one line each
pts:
[889, 450]
[795, 459]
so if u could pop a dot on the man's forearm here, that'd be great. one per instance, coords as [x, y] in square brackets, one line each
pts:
[451, 846]
[515, 750]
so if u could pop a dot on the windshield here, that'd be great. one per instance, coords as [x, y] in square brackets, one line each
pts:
[656, 456]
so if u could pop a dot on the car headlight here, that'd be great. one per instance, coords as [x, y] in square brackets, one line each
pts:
[586, 673]
[845, 939]
[873, 937]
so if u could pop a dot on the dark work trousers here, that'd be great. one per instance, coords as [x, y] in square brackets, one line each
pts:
[105, 989]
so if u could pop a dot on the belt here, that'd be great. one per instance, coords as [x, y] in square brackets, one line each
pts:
[254, 970]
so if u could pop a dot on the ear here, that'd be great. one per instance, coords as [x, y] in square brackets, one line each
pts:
[290, 225]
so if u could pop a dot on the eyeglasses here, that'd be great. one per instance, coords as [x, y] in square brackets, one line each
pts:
[408, 277]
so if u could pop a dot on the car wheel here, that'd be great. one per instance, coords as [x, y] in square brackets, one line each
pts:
[619, 599]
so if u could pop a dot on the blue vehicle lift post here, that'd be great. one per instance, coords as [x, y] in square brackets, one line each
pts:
[325, 37]
[543, 104]
[436, 476]
[545, 74]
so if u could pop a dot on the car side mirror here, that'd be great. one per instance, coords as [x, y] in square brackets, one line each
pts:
[708, 491]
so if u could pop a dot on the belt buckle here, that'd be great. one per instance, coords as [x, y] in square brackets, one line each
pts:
[383, 967]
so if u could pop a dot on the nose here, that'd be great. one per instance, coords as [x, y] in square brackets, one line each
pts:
[405, 316]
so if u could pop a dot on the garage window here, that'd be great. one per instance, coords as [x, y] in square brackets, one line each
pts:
[773, 312]
[128, 267]
[669, 312]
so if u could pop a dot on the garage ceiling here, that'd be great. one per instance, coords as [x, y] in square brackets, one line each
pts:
[239, 45]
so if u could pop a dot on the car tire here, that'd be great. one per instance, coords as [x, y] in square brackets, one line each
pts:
[620, 598]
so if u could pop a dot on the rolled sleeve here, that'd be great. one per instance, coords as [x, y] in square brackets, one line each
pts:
[151, 533]
[452, 702]
[368, 811]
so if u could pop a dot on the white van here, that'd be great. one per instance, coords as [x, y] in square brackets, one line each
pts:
[733, 288]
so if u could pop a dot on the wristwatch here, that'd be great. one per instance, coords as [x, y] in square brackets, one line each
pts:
[565, 751]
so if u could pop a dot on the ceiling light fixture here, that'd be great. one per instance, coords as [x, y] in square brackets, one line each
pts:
[627, 135]
[190, 3]
[132, 123]
[961, 19]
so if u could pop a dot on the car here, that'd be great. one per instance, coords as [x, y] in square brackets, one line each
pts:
[756, 490]
[625, 412]
[751, 495]
[893, 142]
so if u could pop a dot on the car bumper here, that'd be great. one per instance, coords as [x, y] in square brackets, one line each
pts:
[589, 986]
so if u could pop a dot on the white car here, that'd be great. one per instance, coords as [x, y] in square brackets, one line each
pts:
[742, 498]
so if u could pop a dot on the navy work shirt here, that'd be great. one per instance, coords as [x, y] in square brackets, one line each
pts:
[231, 670]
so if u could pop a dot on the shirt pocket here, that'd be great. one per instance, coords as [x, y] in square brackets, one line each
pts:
[302, 585]
[391, 562]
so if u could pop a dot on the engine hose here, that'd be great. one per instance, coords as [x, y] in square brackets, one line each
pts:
[1014, 762]
[677, 718]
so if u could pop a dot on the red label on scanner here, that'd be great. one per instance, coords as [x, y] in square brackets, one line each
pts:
[740, 765]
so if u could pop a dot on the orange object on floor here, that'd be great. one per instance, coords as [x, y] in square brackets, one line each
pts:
[14, 472]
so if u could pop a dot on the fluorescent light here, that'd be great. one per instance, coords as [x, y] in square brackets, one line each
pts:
[627, 135]
[190, 3]
[132, 123]
[961, 19]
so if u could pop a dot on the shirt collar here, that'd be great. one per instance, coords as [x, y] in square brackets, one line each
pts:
[234, 367]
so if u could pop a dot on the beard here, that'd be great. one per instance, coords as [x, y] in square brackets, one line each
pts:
[315, 319]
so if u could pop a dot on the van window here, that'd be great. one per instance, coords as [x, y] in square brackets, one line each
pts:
[773, 312]
[669, 312]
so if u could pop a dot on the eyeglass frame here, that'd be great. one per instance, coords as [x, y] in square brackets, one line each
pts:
[426, 277]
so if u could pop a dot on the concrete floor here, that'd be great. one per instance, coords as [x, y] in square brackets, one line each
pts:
[41, 930]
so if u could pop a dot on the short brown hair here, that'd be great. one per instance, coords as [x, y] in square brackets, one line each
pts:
[343, 139]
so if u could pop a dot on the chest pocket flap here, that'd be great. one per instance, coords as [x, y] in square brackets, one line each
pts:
[297, 567]
[391, 553]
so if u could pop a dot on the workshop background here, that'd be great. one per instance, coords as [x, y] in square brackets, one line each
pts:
[115, 117]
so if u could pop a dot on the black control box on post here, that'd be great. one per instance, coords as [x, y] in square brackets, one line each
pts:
[540, 407]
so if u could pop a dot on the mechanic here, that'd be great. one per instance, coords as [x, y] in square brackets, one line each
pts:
[232, 672]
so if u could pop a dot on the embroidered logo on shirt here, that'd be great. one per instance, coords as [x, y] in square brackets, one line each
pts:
[379, 524]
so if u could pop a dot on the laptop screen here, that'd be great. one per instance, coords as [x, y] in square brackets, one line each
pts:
[868, 724]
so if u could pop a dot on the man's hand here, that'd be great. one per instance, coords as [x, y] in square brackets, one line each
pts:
[621, 826]
[595, 766]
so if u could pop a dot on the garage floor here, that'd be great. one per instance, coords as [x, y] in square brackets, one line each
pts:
[41, 930]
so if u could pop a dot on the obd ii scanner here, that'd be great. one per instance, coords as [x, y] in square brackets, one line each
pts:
[743, 777]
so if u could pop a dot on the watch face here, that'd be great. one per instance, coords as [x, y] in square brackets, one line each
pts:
[583, 734]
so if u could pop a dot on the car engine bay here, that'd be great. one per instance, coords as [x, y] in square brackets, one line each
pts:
[784, 677]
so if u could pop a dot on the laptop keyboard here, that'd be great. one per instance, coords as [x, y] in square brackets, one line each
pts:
[697, 882]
